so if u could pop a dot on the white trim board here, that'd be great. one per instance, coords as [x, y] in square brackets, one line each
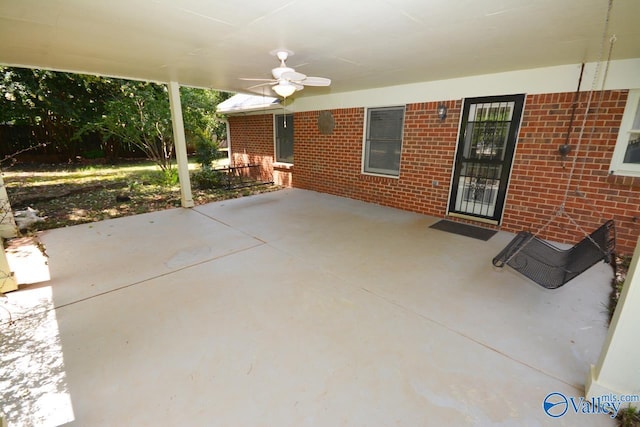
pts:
[622, 74]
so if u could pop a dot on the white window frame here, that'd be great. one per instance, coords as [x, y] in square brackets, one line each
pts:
[365, 144]
[275, 140]
[618, 166]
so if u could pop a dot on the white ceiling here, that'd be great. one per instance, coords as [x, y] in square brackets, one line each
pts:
[359, 44]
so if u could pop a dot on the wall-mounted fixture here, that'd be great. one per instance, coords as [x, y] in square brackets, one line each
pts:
[442, 111]
[326, 122]
[564, 150]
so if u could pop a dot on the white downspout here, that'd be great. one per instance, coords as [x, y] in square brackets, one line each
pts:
[228, 130]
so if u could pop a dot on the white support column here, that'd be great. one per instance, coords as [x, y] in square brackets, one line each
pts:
[8, 226]
[180, 144]
[7, 279]
[7, 229]
[618, 369]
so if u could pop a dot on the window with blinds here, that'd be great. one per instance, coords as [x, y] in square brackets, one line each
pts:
[383, 141]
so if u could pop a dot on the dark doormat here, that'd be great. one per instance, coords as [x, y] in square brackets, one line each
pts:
[464, 229]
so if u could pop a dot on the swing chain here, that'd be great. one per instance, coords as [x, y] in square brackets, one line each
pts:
[561, 209]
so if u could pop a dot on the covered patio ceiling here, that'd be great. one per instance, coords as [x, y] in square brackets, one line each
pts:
[358, 44]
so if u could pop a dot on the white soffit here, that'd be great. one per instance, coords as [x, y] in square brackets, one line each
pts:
[358, 44]
[241, 102]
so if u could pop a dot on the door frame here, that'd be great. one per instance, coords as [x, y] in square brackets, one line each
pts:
[466, 103]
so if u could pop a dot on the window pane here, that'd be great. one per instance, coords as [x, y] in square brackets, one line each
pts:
[636, 120]
[385, 124]
[487, 130]
[384, 156]
[632, 155]
[492, 112]
[384, 140]
[284, 138]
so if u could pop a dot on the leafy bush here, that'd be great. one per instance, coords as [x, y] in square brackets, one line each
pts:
[94, 154]
[169, 177]
[162, 178]
[207, 178]
[621, 267]
[207, 151]
[629, 417]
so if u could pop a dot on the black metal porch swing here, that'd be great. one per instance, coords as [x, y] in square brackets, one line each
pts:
[540, 261]
[552, 267]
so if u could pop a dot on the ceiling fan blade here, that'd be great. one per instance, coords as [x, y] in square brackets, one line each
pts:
[316, 81]
[269, 83]
[298, 86]
[293, 76]
[256, 80]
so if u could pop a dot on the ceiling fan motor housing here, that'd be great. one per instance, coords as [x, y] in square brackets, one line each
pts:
[279, 71]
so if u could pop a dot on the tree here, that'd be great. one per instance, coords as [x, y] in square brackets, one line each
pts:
[52, 105]
[138, 115]
[66, 111]
[204, 128]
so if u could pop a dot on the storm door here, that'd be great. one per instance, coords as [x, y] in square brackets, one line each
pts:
[486, 144]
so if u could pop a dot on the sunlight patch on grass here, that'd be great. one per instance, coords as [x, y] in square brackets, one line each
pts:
[77, 214]
[111, 213]
[44, 178]
[87, 174]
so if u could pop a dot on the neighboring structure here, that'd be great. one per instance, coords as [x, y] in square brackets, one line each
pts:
[483, 149]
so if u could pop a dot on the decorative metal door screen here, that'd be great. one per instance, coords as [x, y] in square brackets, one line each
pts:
[485, 151]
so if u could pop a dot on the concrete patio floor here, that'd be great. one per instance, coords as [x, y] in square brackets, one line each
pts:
[292, 308]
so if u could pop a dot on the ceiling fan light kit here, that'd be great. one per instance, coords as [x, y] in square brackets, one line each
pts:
[284, 89]
[286, 80]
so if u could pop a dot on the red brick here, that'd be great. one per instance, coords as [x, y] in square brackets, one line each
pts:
[333, 163]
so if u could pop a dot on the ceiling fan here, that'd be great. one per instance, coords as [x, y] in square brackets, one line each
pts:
[286, 80]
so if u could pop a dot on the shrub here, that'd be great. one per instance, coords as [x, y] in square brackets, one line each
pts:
[629, 417]
[94, 154]
[169, 177]
[207, 151]
[207, 178]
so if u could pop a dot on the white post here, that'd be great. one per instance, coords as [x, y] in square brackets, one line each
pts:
[7, 229]
[180, 144]
[618, 369]
[7, 279]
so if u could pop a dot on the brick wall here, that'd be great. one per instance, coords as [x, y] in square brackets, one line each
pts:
[252, 142]
[540, 177]
[333, 163]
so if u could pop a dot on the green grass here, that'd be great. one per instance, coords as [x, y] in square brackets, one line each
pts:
[629, 417]
[60, 175]
[75, 195]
